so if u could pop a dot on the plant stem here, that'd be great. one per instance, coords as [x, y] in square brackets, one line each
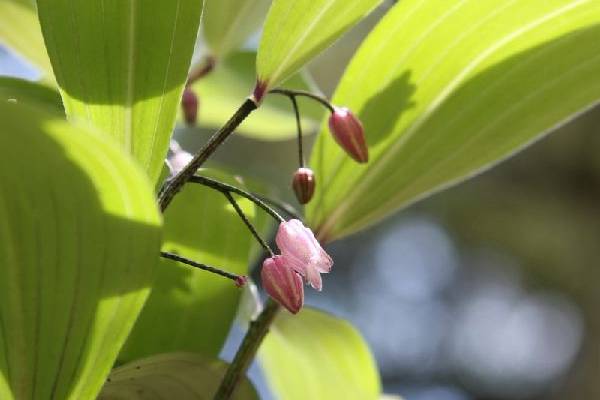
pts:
[183, 260]
[224, 187]
[201, 70]
[254, 336]
[174, 185]
[251, 227]
[282, 206]
[299, 129]
[292, 93]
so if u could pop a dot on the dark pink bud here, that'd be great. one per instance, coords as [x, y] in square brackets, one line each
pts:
[348, 132]
[304, 184]
[282, 283]
[189, 105]
[241, 281]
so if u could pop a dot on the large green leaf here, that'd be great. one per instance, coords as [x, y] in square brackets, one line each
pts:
[227, 24]
[296, 31]
[316, 356]
[20, 32]
[192, 310]
[121, 66]
[445, 90]
[78, 245]
[22, 91]
[220, 94]
[180, 376]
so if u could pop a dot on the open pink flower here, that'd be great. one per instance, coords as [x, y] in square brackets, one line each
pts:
[282, 283]
[302, 252]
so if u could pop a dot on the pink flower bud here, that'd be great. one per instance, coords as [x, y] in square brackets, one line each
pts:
[189, 105]
[348, 132]
[302, 252]
[304, 184]
[282, 283]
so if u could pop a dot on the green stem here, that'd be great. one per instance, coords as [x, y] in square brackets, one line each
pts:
[226, 188]
[174, 185]
[254, 336]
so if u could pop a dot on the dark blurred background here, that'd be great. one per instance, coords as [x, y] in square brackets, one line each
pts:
[488, 290]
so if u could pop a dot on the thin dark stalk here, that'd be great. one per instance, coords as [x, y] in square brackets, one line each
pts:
[207, 268]
[254, 336]
[201, 70]
[285, 207]
[224, 187]
[251, 227]
[174, 185]
[292, 93]
[299, 129]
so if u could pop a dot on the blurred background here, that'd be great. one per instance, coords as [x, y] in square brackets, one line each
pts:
[488, 290]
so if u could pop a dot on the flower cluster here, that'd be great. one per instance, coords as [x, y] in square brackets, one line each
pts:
[302, 257]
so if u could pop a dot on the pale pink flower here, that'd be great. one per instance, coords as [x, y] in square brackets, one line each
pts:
[282, 283]
[302, 252]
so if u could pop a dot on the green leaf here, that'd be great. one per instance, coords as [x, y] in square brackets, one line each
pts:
[222, 91]
[227, 24]
[121, 66]
[20, 32]
[296, 31]
[178, 376]
[314, 355]
[78, 245]
[22, 91]
[446, 91]
[189, 309]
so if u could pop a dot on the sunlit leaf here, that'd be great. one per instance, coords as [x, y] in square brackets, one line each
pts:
[222, 91]
[26, 92]
[192, 310]
[180, 376]
[78, 245]
[20, 32]
[227, 24]
[314, 355]
[445, 90]
[121, 66]
[296, 31]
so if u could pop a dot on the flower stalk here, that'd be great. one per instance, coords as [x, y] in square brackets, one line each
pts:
[238, 279]
[247, 351]
[174, 185]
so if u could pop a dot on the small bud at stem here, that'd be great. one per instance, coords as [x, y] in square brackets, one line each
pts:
[189, 106]
[303, 184]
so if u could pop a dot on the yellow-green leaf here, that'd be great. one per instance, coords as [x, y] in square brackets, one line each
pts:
[78, 245]
[180, 376]
[297, 30]
[121, 66]
[32, 93]
[446, 89]
[227, 24]
[313, 355]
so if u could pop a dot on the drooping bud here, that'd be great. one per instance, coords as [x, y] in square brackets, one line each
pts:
[189, 106]
[302, 252]
[283, 284]
[304, 184]
[348, 132]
